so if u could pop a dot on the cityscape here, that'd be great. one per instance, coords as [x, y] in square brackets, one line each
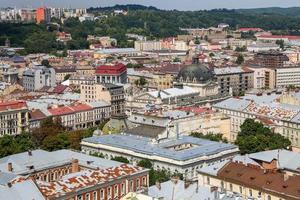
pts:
[139, 102]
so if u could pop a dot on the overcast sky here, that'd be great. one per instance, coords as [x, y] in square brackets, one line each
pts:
[164, 4]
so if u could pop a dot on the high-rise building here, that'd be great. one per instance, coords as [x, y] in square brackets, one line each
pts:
[43, 14]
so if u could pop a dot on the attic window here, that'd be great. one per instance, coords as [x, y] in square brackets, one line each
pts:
[227, 171]
[252, 178]
[269, 182]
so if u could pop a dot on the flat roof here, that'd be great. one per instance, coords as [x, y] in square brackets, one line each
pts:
[145, 145]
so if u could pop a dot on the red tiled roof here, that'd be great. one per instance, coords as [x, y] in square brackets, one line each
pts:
[196, 110]
[111, 69]
[65, 110]
[255, 177]
[37, 114]
[12, 105]
[81, 107]
[84, 179]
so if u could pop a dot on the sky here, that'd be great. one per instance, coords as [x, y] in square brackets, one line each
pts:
[162, 4]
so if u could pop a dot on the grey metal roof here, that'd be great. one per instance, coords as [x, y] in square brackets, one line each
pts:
[41, 159]
[179, 191]
[287, 159]
[146, 146]
[6, 177]
[25, 190]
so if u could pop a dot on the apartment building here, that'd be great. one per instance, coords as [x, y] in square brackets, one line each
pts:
[37, 77]
[147, 45]
[69, 175]
[14, 118]
[270, 59]
[235, 80]
[278, 111]
[113, 94]
[43, 14]
[268, 175]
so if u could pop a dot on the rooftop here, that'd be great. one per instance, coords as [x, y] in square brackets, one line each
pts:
[138, 144]
[84, 179]
[41, 159]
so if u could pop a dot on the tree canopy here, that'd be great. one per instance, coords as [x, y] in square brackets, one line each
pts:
[255, 137]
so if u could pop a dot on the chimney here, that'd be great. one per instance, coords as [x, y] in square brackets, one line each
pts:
[285, 177]
[29, 153]
[75, 166]
[175, 179]
[9, 167]
[157, 183]
[9, 184]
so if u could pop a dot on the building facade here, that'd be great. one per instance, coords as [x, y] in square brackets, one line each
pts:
[113, 94]
[111, 74]
[37, 77]
[82, 177]
[235, 80]
[14, 118]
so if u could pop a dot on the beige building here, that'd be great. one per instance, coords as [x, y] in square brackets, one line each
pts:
[155, 80]
[147, 45]
[110, 93]
[14, 118]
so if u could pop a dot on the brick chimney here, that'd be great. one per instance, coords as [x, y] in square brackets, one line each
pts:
[75, 165]
[9, 167]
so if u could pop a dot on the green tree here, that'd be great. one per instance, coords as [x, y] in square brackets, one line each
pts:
[120, 159]
[280, 43]
[145, 163]
[209, 136]
[240, 59]
[255, 137]
[46, 63]
[67, 77]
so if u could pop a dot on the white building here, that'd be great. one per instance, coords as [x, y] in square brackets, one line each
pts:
[37, 77]
[182, 154]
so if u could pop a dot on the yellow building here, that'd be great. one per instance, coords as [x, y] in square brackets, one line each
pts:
[14, 118]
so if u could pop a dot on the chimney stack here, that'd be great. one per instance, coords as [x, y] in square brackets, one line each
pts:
[9, 167]
[30, 153]
[75, 165]
[157, 183]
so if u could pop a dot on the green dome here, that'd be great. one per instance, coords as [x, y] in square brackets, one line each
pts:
[195, 74]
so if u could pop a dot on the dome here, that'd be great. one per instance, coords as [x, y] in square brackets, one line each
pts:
[195, 74]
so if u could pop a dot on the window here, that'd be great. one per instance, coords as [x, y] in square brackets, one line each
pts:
[208, 180]
[116, 191]
[109, 192]
[87, 196]
[101, 194]
[95, 195]
[144, 181]
[138, 183]
[122, 188]
[250, 192]
[241, 189]
[230, 186]
[269, 197]
[131, 186]
[79, 197]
